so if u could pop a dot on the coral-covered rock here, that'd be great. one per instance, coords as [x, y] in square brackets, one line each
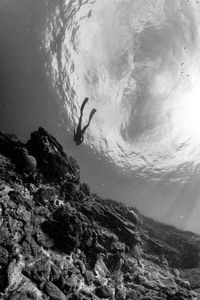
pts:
[60, 241]
[120, 294]
[3, 256]
[89, 277]
[39, 270]
[104, 292]
[70, 284]
[45, 195]
[132, 295]
[53, 291]
[25, 295]
[55, 272]
[52, 161]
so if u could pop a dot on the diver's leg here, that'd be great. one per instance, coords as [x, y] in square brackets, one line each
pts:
[90, 118]
[81, 115]
[79, 124]
[91, 115]
[83, 104]
[84, 129]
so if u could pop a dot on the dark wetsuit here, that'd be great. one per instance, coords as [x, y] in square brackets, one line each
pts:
[79, 133]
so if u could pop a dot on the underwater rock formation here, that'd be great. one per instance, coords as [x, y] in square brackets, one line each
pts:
[60, 241]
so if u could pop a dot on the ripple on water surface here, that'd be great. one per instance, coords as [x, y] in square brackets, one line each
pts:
[138, 62]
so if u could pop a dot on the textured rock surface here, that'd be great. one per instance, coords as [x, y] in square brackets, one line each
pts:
[60, 241]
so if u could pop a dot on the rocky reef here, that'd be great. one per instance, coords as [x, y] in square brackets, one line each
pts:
[60, 241]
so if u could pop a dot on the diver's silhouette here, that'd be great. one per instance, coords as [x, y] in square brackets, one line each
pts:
[79, 133]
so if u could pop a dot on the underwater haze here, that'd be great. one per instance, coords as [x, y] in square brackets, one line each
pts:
[138, 61]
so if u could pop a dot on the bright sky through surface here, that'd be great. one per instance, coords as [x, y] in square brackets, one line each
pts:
[138, 61]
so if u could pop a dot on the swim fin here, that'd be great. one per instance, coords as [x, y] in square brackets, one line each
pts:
[83, 104]
[92, 114]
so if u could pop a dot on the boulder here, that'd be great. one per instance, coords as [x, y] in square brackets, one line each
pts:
[120, 294]
[55, 272]
[89, 277]
[104, 292]
[52, 161]
[39, 271]
[3, 256]
[25, 295]
[53, 291]
[28, 163]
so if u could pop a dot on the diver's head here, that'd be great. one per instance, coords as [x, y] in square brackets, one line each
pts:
[78, 142]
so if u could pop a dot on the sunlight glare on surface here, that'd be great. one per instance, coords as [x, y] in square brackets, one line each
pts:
[186, 115]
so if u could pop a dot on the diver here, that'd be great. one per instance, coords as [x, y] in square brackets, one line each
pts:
[79, 133]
